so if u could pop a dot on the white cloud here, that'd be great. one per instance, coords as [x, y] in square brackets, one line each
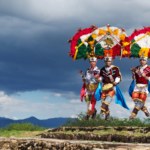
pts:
[57, 94]
[6, 100]
[29, 17]
[11, 25]
[85, 11]
[44, 10]
[22, 106]
[25, 18]
[74, 116]
[18, 108]
[75, 101]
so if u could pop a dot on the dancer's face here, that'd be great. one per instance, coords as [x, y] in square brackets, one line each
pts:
[143, 62]
[108, 63]
[93, 64]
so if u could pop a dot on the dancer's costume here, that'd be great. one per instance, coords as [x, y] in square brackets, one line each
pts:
[110, 77]
[139, 89]
[88, 89]
[98, 42]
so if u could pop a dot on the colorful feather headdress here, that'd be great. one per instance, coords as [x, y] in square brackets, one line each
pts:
[140, 43]
[99, 42]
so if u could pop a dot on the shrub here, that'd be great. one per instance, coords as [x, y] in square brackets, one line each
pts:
[81, 122]
[24, 127]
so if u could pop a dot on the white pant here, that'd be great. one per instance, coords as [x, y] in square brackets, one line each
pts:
[141, 89]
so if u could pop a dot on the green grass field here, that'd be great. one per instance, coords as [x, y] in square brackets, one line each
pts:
[30, 130]
[21, 130]
[81, 122]
[15, 133]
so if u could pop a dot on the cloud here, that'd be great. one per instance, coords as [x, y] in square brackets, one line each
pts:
[34, 52]
[75, 101]
[57, 94]
[44, 10]
[10, 107]
[49, 11]
[34, 34]
[31, 103]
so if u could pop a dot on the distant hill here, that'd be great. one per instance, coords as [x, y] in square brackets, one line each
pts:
[48, 123]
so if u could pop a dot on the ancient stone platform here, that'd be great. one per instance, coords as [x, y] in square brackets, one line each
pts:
[109, 134]
[55, 144]
[83, 138]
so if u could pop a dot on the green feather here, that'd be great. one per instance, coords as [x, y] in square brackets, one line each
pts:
[99, 50]
[82, 50]
[135, 50]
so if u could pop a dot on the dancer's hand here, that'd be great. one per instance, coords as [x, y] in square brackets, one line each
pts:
[96, 76]
[144, 75]
[114, 83]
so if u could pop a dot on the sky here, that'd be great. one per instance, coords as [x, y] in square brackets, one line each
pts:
[37, 77]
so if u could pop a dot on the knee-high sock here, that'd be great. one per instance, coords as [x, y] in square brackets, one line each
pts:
[145, 110]
[134, 112]
[104, 107]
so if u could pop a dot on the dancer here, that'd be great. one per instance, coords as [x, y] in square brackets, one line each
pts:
[110, 77]
[90, 80]
[141, 75]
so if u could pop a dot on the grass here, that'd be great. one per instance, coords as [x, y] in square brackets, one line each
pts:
[14, 133]
[30, 130]
[21, 130]
[81, 122]
[112, 122]
[23, 127]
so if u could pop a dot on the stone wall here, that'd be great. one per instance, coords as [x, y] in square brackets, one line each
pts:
[54, 144]
[78, 138]
[94, 137]
[87, 133]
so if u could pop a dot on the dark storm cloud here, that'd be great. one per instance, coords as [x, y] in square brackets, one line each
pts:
[34, 34]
